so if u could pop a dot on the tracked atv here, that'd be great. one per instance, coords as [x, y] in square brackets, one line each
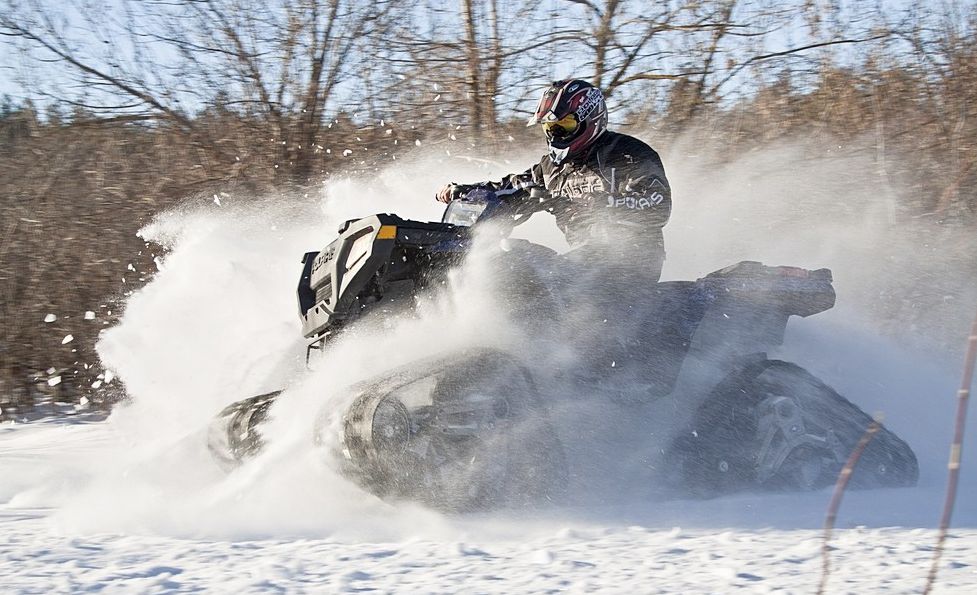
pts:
[489, 428]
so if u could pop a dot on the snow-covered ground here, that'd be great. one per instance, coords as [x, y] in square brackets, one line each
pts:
[133, 504]
[747, 543]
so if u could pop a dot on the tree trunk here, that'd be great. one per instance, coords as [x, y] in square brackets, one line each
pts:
[474, 61]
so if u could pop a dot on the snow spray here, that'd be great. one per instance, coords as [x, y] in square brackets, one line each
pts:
[218, 323]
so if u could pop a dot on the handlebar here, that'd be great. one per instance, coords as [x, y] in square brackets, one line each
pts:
[481, 205]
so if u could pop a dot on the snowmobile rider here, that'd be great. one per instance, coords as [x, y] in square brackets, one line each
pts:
[607, 190]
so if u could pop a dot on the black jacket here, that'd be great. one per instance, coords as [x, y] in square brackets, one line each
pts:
[616, 191]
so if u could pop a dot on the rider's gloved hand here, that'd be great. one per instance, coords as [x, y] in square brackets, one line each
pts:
[453, 192]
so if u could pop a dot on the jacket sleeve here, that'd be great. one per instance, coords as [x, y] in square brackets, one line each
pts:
[516, 187]
[639, 190]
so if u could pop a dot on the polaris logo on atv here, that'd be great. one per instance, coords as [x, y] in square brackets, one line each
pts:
[589, 104]
[323, 258]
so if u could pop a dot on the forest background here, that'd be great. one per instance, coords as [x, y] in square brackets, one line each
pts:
[114, 111]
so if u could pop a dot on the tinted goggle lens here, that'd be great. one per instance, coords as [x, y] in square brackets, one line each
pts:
[560, 128]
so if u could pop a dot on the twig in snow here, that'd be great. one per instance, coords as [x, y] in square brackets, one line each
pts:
[953, 475]
[840, 485]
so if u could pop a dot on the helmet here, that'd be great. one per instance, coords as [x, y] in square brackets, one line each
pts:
[573, 115]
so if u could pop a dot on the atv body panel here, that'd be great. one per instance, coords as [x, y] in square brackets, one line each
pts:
[488, 428]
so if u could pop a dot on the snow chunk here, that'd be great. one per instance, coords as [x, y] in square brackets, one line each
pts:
[89, 315]
[469, 550]
[109, 376]
[418, 142]
[354, 576]
[67, 339]
[54, 381]
[347, 153]
[97, 384]
[50, 318]
[726, 573]
[568, 534]
[217, 200]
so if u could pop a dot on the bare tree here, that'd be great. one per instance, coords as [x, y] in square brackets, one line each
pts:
[278, 65]
[475, 59]
[633, 47]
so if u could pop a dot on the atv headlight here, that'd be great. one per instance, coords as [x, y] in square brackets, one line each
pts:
[463, 213]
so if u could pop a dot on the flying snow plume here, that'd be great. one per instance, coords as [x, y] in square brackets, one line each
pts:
[219, 323]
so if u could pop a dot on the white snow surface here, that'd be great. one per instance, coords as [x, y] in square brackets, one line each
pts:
[744, 543]
[134, 504]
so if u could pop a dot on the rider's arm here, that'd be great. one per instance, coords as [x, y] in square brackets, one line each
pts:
[512, 188]
[639, 189]
[517, 187]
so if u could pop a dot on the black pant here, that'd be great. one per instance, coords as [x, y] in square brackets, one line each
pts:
[614, 302]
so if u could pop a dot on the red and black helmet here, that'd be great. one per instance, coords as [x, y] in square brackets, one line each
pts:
[573, 115]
